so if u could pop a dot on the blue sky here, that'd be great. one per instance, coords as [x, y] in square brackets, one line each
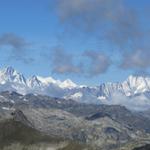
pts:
[87, 41]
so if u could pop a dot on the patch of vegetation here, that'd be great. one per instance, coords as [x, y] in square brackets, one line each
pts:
[13, 131]
[17, 136]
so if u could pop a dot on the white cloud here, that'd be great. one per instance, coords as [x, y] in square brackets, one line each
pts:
[137, 103]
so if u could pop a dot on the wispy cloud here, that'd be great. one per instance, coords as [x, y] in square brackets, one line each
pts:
[113, 21]
[63, 62]
[137, 59]
[138, 103]
[88, 64]
[109, 19]
[11, 39]
[99, 62]
[18, 45]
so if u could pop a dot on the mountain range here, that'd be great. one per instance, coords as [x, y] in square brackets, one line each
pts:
[32, 122]
[62, 115]
[134, 92]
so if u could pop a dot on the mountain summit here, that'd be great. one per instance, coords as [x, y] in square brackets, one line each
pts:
[9, 74]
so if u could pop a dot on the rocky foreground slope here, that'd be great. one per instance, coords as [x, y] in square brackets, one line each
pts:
[91, 126]
[15, 135]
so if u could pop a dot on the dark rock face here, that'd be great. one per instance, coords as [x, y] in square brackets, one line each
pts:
[146, 147]
[20, 117]
[98, 115]
[112, 132]
[115, 134]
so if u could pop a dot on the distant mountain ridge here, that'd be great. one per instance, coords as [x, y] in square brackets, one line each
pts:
[11, 80]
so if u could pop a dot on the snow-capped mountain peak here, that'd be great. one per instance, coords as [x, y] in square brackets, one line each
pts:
[9, 71]
[9, 74]
[46, 80]
[137, 84]
[68, 84]
[33, 82]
